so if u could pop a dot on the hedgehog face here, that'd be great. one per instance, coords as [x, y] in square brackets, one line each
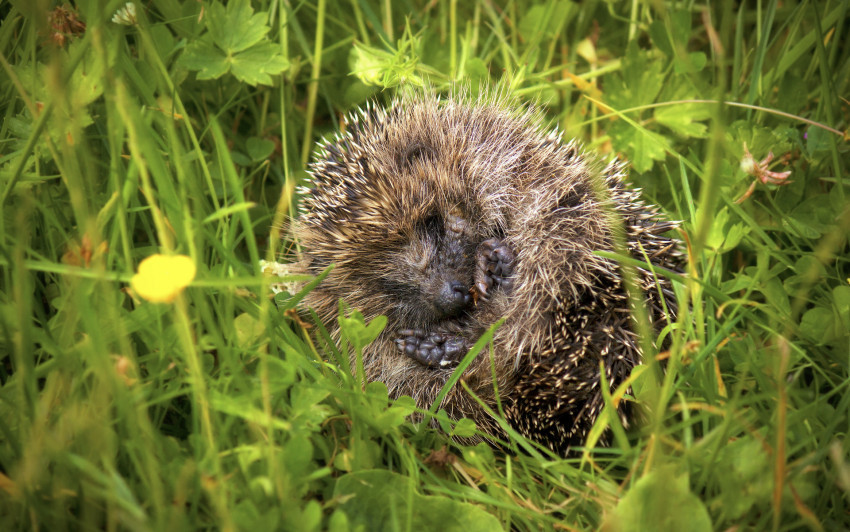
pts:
[421, 259]
[431, 272]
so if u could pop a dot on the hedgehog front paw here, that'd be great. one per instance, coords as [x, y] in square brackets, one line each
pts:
[494, 266]
[434, 350]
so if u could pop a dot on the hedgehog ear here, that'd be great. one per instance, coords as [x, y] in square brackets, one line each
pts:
[364, 164]
[416, 151]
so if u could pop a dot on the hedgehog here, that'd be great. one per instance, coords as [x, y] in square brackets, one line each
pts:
[447, 214]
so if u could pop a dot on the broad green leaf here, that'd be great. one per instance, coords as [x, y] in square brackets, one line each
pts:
[717, 231]
[358, 333]
[236, 27]
[308, 412]
[297, 457]
[547, 18]
[84, 86]
[817, 140]
[259, 149]
[747, 480]
[204, 57]
[640, 83]
[642, 146]
[338, 522]
[476, 69]
[257, 64]
[393, 416]
[465, 428]
[805, 268]
[383, 500]
[246, 514]
[690, 63]
[816, 323]
[811, 218]
[841, 297]
[661, 501]
[682, 119]
[759, 140]
[776, 295]
[235, 43]
[248, 329]
[660, 37]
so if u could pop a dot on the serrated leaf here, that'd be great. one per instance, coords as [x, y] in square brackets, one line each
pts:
[640, 83]
[234, 43]
[374, 66]
[759, 140]
[672, 38]
[642, 146]
[257, 64]
[83, 87]
[235, 28]
[206, 59]
[682, 119]
[722, 236]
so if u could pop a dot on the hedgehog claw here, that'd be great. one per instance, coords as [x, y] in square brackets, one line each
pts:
[495, 264]
[433, 350]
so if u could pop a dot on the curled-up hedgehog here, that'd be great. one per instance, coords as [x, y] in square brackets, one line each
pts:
[446, 215]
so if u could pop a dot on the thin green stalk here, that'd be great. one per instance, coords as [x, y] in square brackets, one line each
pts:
[361, 24]
[453, 38]
[124, 103]
[165, 77]
[388, 19]
[313, 90]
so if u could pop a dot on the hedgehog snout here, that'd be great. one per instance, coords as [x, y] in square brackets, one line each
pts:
[452, 298]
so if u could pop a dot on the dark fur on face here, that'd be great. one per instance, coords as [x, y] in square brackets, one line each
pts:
[447, 215]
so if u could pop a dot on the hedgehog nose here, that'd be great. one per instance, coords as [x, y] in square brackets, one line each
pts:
[453, 297]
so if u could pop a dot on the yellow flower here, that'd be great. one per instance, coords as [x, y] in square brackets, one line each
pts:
[162, 277]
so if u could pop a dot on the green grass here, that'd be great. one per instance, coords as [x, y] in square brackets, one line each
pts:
[118, 142]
